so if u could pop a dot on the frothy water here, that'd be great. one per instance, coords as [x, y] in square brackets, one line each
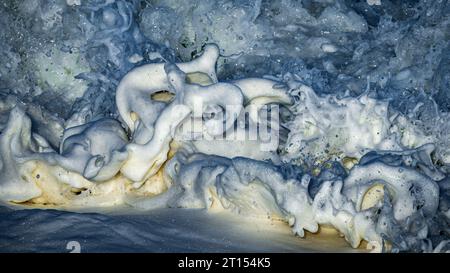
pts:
[319, 114]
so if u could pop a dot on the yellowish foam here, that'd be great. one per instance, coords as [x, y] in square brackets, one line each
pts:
[373, 196]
